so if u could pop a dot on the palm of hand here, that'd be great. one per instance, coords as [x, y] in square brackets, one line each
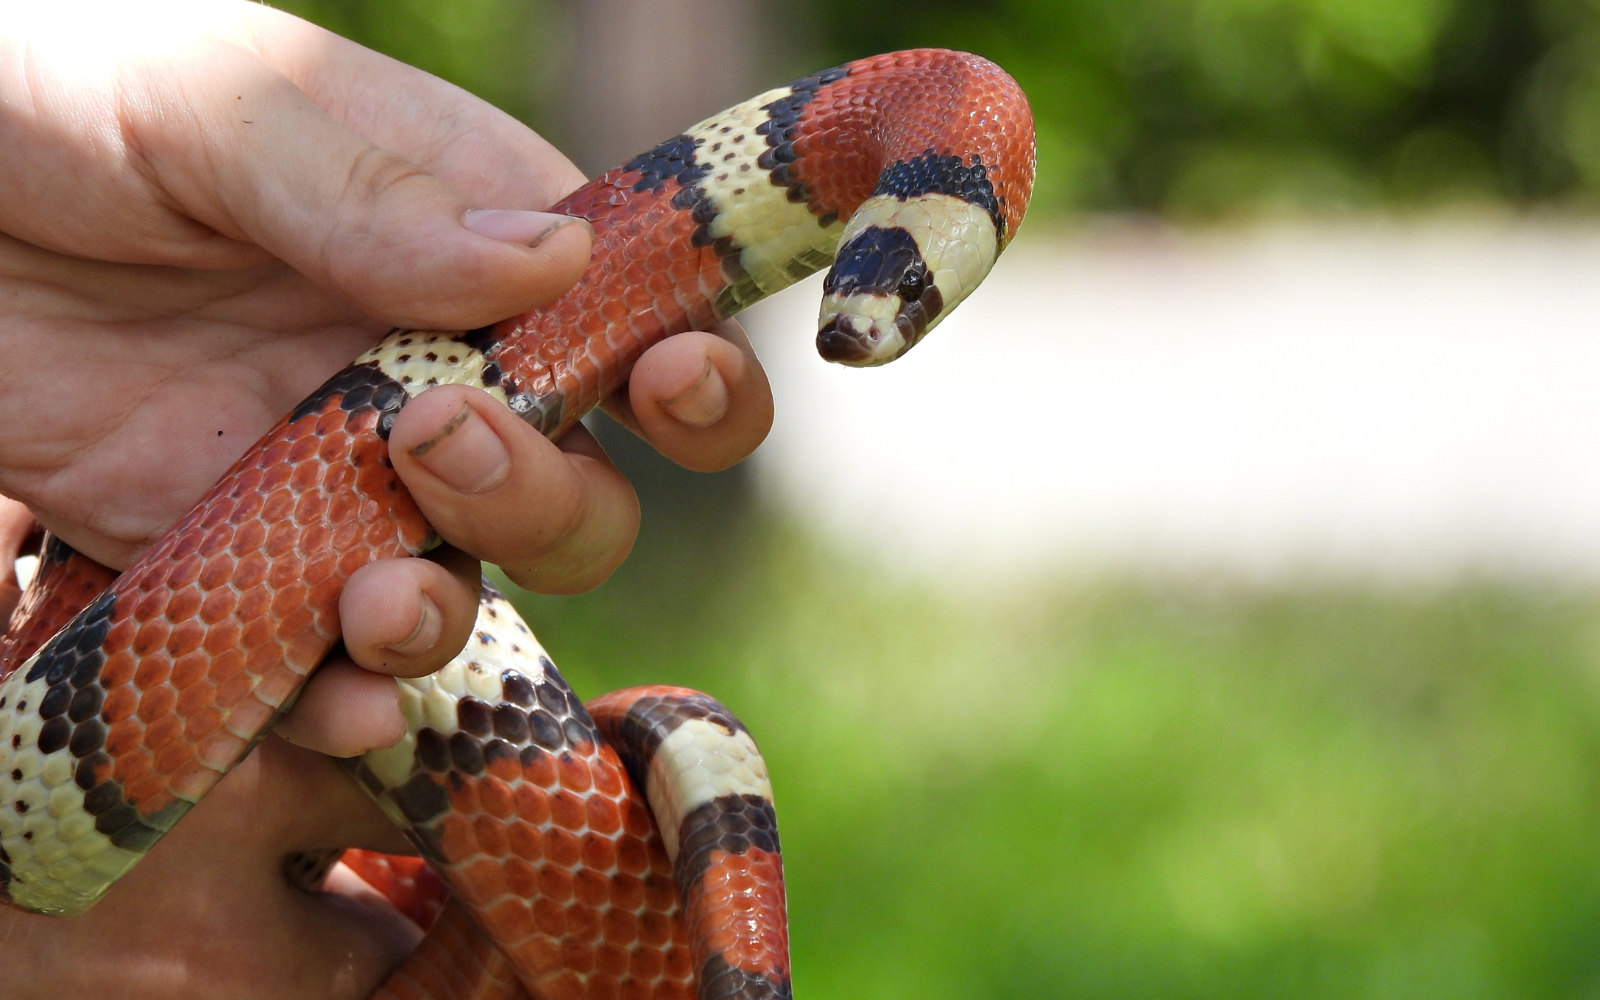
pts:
[161, 308]
[115, 416]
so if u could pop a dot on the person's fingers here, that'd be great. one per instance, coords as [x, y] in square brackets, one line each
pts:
[407, 617]
[556, 520]
[344, 711]
[400, 618]
[223, 157]
[16, 525]
[276, 794]
[218, 880]
[702, 399]
[263, 165]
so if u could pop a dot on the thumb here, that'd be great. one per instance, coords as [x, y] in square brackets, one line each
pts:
[253, 158]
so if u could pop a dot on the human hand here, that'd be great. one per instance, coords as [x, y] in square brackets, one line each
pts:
[215, 206]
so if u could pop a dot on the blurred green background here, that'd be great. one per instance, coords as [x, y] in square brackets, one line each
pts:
[1189, 107]
[1118, 788]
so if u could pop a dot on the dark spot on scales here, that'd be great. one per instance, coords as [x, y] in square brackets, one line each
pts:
[53, 703]
[576, 733]
[421, 799]
[730, 982]
[670, 160]
[498, 752]
[545, 731]
[929, 173]
[651, 719]
[75, 650]
[84, 775]
[85, 703]
[433, 752]
[516, 689]
[552, 699]
[531, 756]
[511, 723]
[53, 735]
[87, 738]
[56, 552]
[101, 799]
[474, 716]
[466, 754]
[359, 389]
[781, 129]
[728, 824]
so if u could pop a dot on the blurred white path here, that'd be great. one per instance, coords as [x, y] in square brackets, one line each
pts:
[1372, 399]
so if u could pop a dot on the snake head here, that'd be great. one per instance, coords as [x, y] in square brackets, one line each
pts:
[902, 266]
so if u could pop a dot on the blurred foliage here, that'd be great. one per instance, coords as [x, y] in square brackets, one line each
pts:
[1196, 107]
[1129, 792]
[501, 50]
[1188, 107]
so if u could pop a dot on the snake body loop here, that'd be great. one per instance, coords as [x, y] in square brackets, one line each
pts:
[910, 172]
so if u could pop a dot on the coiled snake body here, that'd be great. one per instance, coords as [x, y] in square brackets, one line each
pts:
[623, 849]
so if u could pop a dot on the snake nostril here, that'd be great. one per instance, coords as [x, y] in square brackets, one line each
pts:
[838, 340]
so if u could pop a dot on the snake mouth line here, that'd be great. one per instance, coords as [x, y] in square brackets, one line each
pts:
[874, 328]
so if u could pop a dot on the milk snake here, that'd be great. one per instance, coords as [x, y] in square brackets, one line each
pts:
[623, 849]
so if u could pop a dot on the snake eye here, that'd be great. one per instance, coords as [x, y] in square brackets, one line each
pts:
[911, 284]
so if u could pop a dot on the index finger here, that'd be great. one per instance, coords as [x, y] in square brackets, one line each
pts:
[701, 399]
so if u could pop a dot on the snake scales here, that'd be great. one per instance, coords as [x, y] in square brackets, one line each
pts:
[627, 848]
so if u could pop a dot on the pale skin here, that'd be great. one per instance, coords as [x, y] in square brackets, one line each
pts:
[211, 208]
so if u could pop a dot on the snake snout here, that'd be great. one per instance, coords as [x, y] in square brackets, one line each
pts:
[841, 341]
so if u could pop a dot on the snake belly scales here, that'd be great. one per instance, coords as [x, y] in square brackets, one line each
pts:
[627, 848]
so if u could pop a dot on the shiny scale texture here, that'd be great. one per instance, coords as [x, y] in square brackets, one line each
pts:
[123, 719]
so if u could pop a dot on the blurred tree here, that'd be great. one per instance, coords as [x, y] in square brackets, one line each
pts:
[604, 78]
[644, 69]
[1189, 107]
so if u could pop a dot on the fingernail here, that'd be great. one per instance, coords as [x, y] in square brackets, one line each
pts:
[425, 634]
[511, 226]
[466, 453]
[703, 403]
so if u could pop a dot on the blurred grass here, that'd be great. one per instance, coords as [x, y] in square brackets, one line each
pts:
[1122, 790]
